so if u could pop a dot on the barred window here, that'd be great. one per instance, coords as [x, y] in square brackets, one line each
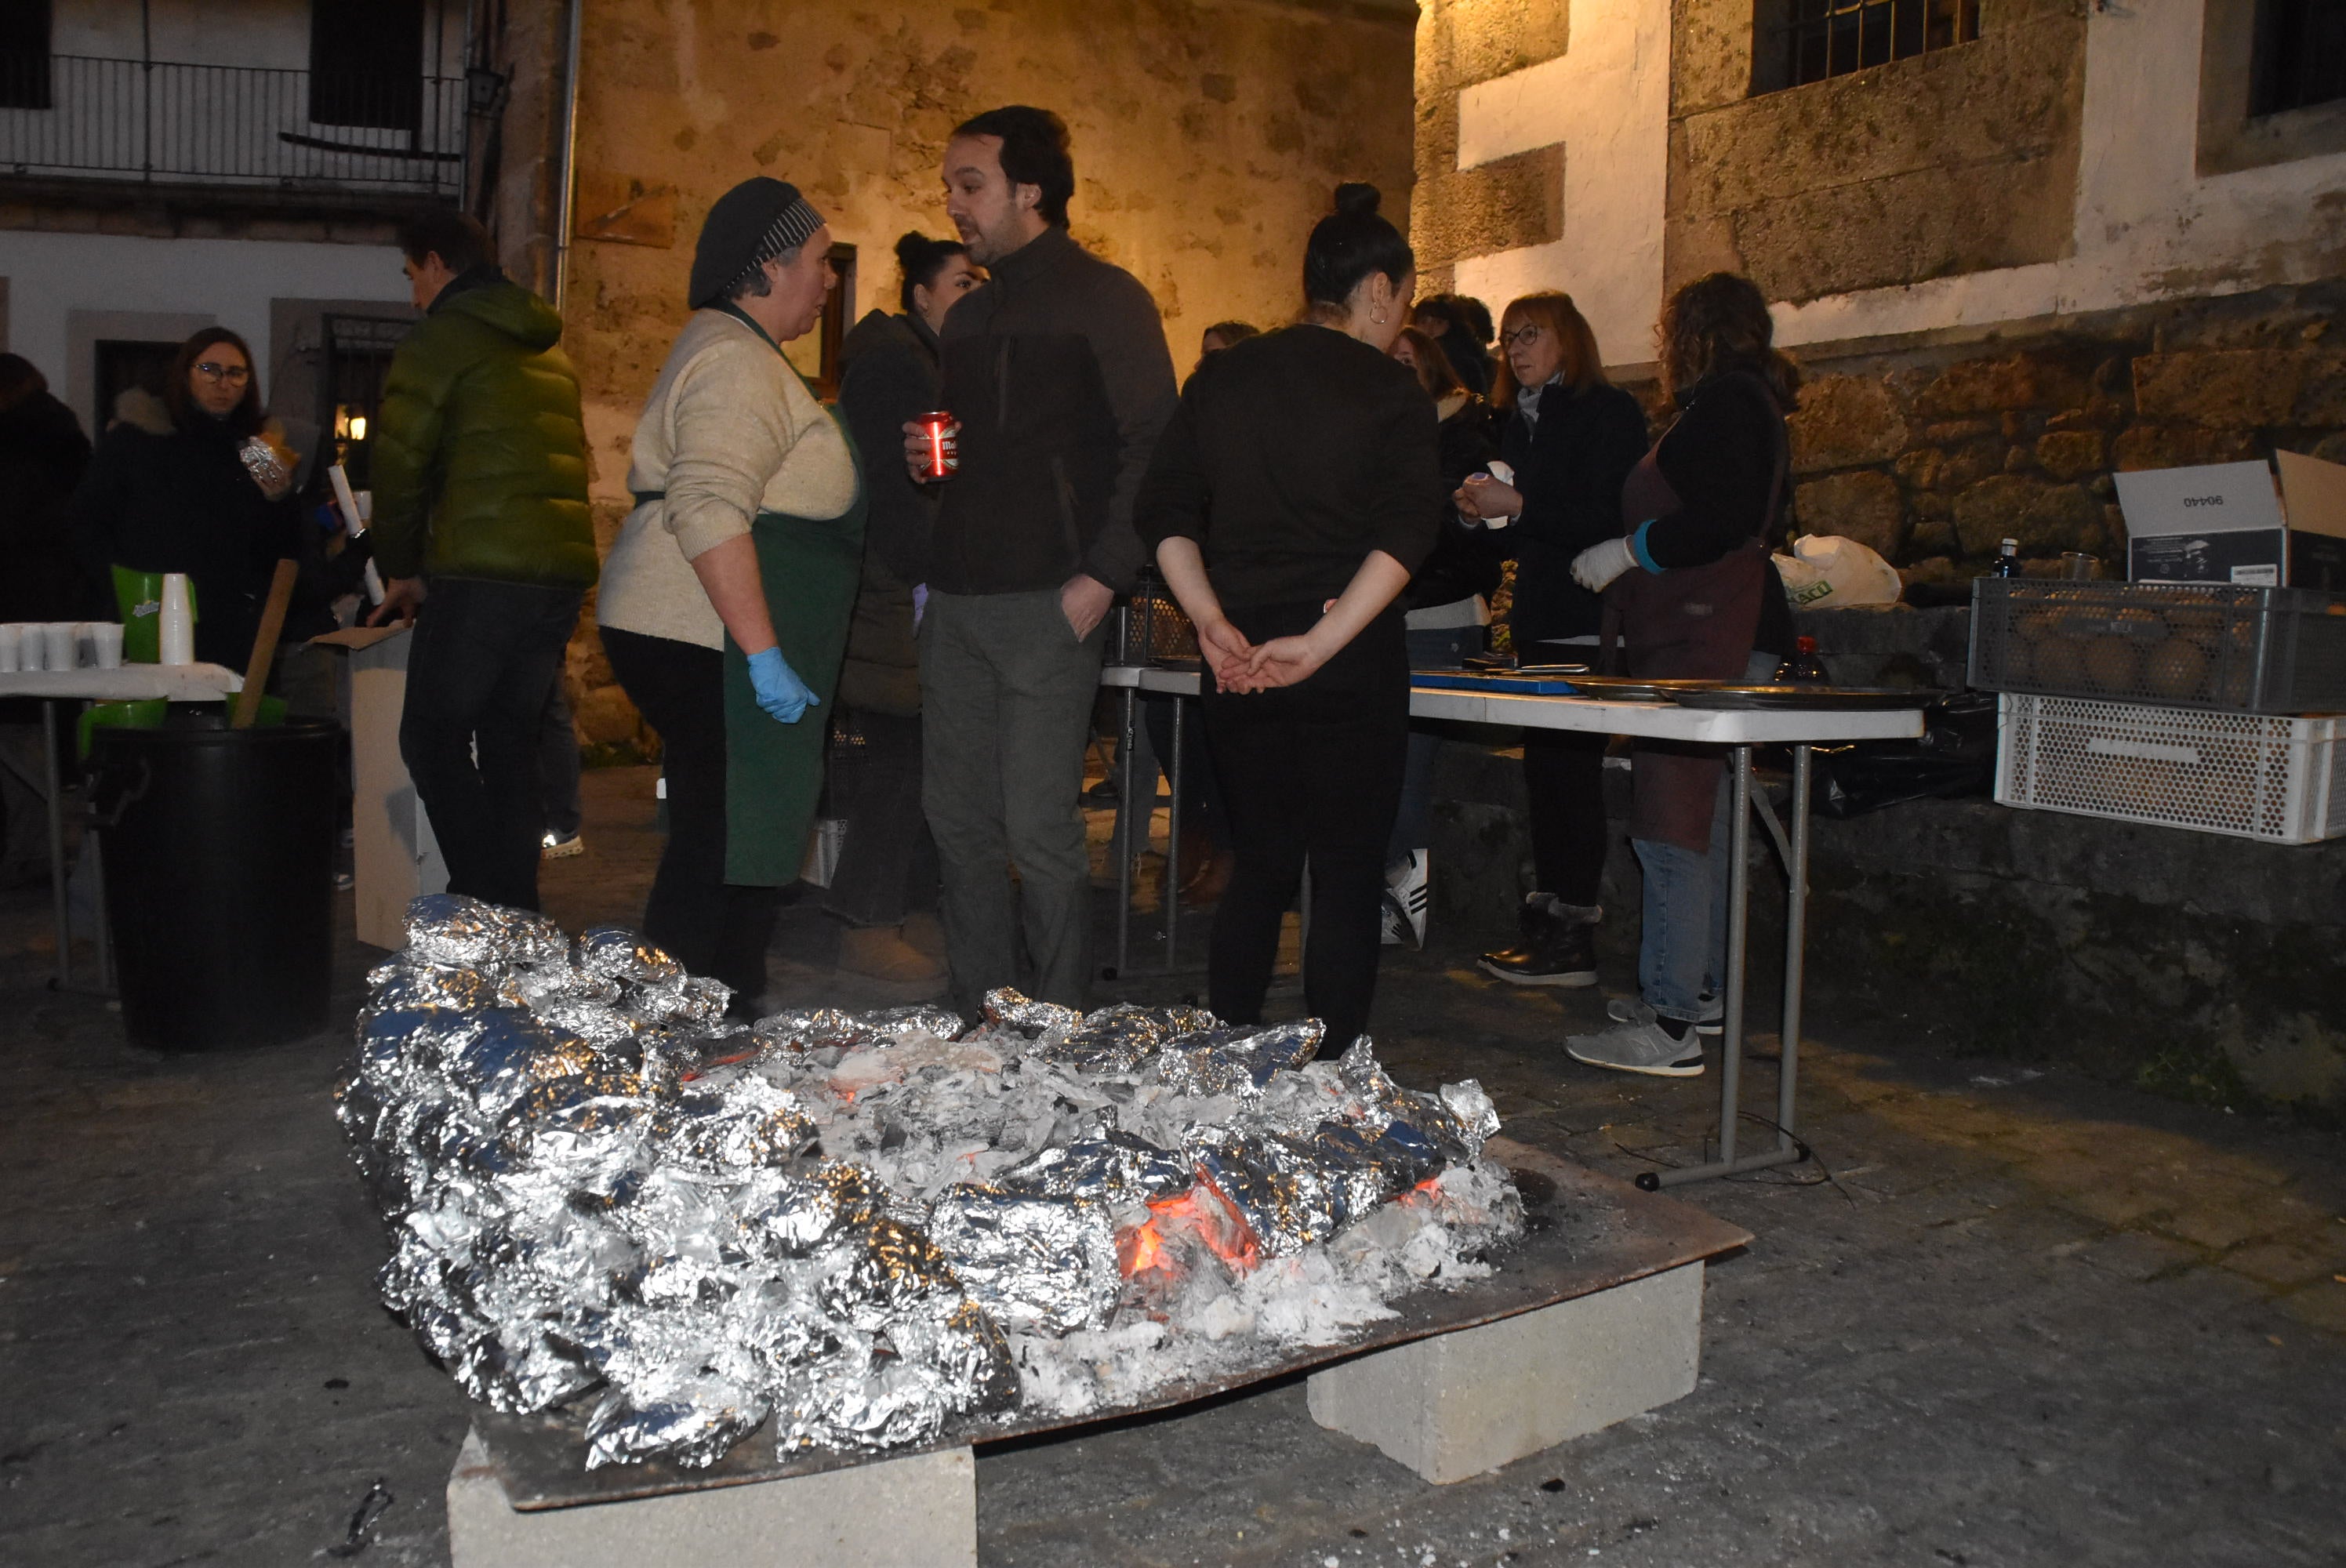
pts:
[23, 54]
[2300, 56]
[1804, 41]
[366, 63]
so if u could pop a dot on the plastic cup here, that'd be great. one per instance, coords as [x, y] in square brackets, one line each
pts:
[59, 641]
[11, 649]
[106, 644]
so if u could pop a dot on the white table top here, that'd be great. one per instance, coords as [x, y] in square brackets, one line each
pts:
[1651, 721]
[181, 683]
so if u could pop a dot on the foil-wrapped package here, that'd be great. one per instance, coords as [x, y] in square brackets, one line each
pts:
[1238, 1061]
[1114, 1168]
[817, 1028]
[267, 464]
[693, 1424]
[458, 933]
[1118, 1038]
[732, 1126]
[1015, 1011]
[618, 954]
[1035, 1263]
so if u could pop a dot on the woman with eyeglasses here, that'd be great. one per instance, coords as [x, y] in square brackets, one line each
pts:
[201, 483]
[1571, 439]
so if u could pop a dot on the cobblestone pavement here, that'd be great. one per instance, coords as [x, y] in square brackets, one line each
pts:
[2028, 1318]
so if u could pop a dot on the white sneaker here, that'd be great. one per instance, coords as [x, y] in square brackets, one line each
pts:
[1632, 1010]
[1408, 896]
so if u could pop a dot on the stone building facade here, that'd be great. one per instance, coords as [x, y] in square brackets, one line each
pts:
[2010, 265]
[1208, 135]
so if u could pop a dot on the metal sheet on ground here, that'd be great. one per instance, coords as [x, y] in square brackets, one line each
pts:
[1588, 1233]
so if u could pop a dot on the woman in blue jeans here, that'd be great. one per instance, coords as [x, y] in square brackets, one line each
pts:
[1692, 592]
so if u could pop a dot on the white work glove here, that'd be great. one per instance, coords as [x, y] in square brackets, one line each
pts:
[1595, 567]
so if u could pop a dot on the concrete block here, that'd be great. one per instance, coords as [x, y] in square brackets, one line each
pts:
[1465, 1402]
[915, 1512]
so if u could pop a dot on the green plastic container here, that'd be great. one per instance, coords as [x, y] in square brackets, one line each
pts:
[154, 712]
[138, 597]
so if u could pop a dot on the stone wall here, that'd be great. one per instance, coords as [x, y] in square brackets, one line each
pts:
[1932, 455]
[1953, 162]
[2191, 964]
[1208, 140]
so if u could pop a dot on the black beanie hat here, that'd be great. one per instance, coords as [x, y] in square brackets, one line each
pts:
[750, 224]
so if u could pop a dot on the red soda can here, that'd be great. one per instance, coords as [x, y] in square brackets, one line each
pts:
[943, 435]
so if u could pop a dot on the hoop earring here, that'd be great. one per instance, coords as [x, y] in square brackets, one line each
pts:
[1377, 317]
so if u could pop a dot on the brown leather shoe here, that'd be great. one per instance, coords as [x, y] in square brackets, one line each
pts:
[1211, 880]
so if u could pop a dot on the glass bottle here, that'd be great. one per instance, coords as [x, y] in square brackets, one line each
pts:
[1803, 667]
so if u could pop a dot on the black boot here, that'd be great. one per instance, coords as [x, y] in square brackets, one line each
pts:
[1558, 945]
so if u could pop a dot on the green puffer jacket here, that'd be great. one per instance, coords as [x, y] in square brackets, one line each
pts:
[479, 455]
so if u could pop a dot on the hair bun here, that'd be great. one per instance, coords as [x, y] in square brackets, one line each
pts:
[1356, 199]
[912, 248]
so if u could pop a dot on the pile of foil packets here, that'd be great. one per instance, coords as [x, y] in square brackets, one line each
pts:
[602, 1193]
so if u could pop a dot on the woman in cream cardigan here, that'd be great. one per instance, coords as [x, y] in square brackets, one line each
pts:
[724, 605]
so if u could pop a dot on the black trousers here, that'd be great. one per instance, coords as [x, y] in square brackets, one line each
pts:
[482, 659]
[888, 866]
[1564, 778]
[1309, 774]
[706, 924]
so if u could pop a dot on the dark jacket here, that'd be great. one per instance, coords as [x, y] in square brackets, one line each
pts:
[480, 452]
[1057, 371]
[890, 375]
[1290, 457]
[1727, 457]
[1570, 469]
[43, 455]
[1466, 561]
[163, 499]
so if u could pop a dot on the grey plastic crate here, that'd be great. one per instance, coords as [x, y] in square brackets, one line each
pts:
[2214, 646]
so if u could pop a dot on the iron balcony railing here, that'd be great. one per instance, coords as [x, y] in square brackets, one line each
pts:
[88, 118]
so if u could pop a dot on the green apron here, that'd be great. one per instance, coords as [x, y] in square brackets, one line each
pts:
[774, 771]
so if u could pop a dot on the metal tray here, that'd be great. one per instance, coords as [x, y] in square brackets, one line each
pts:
[1588, 1232]
[1628, 689]
[1747, 699]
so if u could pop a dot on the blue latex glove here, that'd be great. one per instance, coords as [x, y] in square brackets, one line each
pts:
[780, 690]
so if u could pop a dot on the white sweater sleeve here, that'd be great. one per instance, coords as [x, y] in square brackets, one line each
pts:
[732, 432]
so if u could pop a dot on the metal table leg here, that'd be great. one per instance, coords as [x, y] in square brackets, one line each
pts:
[1738, 893]
[52, 783]
[1796, 931]
[1124, 838]
[1173, 844]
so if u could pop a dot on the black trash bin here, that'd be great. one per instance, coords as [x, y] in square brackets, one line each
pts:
[219, 849]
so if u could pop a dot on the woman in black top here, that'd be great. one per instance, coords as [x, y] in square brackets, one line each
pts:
[1696, 596]
[1571, 440]
[1295, 490]
[197, 486]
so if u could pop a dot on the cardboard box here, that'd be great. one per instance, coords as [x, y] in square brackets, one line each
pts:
[2226, 523]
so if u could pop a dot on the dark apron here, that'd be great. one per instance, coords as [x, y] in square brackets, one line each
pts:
[773, 772]
[1694, 623]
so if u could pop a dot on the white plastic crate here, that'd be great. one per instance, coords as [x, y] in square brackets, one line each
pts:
[2253, 775]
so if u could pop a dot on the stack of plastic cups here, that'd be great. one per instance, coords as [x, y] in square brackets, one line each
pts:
[36, 646]
[179, 628]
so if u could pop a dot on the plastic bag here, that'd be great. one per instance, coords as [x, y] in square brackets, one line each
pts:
[1827, 571]
[1954, 758]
